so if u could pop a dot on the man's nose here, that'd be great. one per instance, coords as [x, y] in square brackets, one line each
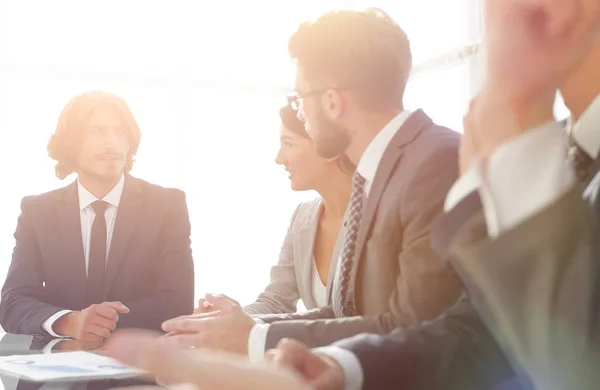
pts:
[111, 137]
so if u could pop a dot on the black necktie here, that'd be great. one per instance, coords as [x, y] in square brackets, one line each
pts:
[97, 253]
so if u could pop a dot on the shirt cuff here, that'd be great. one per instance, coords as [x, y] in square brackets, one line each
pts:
[524, 176]
[48, 347]
[353, 373]
[258, 320]
[47, 325]
[257, 341]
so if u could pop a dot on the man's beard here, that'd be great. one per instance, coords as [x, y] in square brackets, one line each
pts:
[109, 177]
[331, 140]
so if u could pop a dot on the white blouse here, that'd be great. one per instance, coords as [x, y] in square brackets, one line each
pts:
[319, 290]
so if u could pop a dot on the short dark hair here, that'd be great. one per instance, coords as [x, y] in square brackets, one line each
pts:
[365, 50]
[289, 120]
[66, 141]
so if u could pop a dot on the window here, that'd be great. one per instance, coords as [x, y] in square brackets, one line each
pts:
[434, 27]
[443, 95]
[442, 35]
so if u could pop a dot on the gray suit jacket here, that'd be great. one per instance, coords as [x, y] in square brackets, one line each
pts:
[538, 289]
[291, 278]
[397, 279]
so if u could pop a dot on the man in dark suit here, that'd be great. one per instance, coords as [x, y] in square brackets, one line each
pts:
[108, 250]
[388, 275]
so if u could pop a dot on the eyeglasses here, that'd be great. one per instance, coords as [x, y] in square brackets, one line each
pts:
[294, 99]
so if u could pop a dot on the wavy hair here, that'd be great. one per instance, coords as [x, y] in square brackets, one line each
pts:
[65, 143]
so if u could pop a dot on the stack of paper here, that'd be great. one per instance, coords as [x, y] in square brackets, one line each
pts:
[65, 366]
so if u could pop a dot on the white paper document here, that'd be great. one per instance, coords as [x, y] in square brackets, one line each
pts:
[65, 366]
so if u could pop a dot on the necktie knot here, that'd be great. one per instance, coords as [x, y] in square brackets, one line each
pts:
[99, 207]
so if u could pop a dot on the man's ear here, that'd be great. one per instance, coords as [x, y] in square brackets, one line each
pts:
[333, 104]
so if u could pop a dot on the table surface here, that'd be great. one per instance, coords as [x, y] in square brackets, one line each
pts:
[11, 344]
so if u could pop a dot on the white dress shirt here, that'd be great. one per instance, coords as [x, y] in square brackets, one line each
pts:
[87, 216]
[585, 129]
[367, 168]
[508, 198]
[511, 163]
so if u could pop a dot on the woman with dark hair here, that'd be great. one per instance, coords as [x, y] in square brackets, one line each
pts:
[316, 234]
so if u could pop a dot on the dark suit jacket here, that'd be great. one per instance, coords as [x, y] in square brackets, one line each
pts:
[149, 266]
[397, 279]
[457, 350]
[538, 289]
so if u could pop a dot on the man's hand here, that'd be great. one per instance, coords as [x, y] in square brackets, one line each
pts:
[321, 372]
[531, 48]
[92, 324]
[205, 369]
[227, 328]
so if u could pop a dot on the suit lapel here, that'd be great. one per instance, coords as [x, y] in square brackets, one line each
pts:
[68, 217]
[337, 252]
[306, 237]
[335, 259]
[405, 135]
[125, 224]
[305, 255]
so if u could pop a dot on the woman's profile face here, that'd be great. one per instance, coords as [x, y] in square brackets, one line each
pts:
[298, 156]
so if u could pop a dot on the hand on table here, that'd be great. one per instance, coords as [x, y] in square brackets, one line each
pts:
[321, 372]
[94, 323]
[202, 369]
[227, 328]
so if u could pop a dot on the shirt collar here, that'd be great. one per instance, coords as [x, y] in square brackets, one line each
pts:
[586, 130]
[367, 166]
[113, 198]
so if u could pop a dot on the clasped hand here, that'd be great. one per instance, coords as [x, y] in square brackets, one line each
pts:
[224, 326]
[93, 324]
